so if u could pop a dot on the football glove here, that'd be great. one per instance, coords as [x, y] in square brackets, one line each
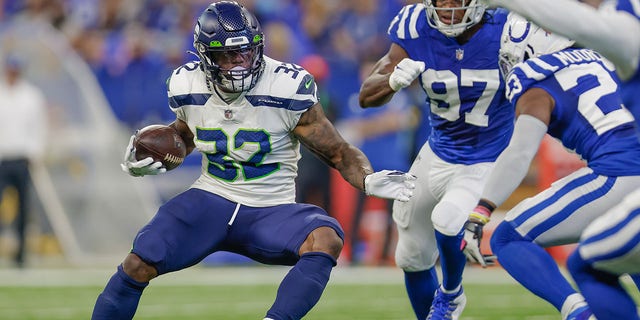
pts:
[390, 184]
[404, 73]
[142, 167]
[473, 236]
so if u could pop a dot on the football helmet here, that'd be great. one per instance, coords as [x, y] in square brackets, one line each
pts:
[522, 40]
[473, 12]
[229, 43]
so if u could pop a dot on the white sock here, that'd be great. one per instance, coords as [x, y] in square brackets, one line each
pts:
[452, 291]
[572, 302]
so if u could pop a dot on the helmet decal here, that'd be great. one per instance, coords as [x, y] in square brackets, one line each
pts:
[522, 40]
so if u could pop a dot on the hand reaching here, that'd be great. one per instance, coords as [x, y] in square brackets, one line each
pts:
[390, 184]
[473, 237]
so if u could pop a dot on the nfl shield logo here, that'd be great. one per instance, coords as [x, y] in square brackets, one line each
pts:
[228, 114]
[459, 54]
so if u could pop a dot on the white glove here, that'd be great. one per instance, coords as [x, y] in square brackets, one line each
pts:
[390, 184]
[140, 168]
[404, 73]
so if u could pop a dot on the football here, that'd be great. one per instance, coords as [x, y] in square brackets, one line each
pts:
[162, 143]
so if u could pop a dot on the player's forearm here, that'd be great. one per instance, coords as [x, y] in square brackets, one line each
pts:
[375, 91]
[596, 29]
[513, 163]
[353, 165]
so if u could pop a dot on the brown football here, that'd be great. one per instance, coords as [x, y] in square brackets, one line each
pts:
[162, 143]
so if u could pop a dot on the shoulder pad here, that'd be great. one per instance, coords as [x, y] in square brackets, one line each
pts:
[187, 86]
[287, 85]
[291, 79]
[185, 78]
[408, 22]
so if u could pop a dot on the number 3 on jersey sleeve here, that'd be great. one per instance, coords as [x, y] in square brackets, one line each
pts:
[225, 167]
[446, 82]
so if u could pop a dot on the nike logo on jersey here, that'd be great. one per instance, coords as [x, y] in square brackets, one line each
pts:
[308, 83]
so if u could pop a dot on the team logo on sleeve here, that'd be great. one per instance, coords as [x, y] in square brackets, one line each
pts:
[307, 86]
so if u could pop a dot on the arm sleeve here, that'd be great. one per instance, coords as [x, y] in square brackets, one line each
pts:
[606, 30]
[513, 163]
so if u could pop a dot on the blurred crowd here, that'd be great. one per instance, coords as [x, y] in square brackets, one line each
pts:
[132, 46]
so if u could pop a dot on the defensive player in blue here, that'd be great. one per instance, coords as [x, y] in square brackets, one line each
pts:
[451, 47]
[610, 246]
[573, 95]
[247, 114]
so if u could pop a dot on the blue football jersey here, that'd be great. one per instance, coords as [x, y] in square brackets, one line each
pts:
[470, 117]
[589, 116]
[630, 89]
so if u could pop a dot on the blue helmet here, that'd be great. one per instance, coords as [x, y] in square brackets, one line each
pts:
[227, 29]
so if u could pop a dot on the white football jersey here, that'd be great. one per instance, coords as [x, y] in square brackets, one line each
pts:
[249, 154]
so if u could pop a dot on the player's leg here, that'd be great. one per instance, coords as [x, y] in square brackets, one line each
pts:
[607, 298]
[294, 234]
[21, 175]
[416, 254]
[553, 217]
[416, 251]
[449, 216]
[609, 248]
[303, 285]
[182, 233]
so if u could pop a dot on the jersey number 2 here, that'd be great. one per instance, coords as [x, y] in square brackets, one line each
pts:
[602, 114]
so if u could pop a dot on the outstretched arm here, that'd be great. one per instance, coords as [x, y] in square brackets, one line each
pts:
[534, 111]
[317, 133]
[612, 33]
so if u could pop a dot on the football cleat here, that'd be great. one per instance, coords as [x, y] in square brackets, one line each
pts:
[582, 313]
[447, 306]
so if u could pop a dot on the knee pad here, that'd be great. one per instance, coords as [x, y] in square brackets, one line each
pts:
[412, 257]
[503, 234]
[151, 249]
[448, 218]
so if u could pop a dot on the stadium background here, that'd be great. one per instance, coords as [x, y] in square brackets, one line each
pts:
[102, 65]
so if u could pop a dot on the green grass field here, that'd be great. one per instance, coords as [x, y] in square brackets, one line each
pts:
[247, 292]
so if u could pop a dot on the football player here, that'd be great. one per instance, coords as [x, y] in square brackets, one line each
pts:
[613, 31]
[247, 114]
[451, 47]
[572, 94]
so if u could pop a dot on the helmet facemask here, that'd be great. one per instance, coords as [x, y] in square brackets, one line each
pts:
[471, 12]
[245, 63]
